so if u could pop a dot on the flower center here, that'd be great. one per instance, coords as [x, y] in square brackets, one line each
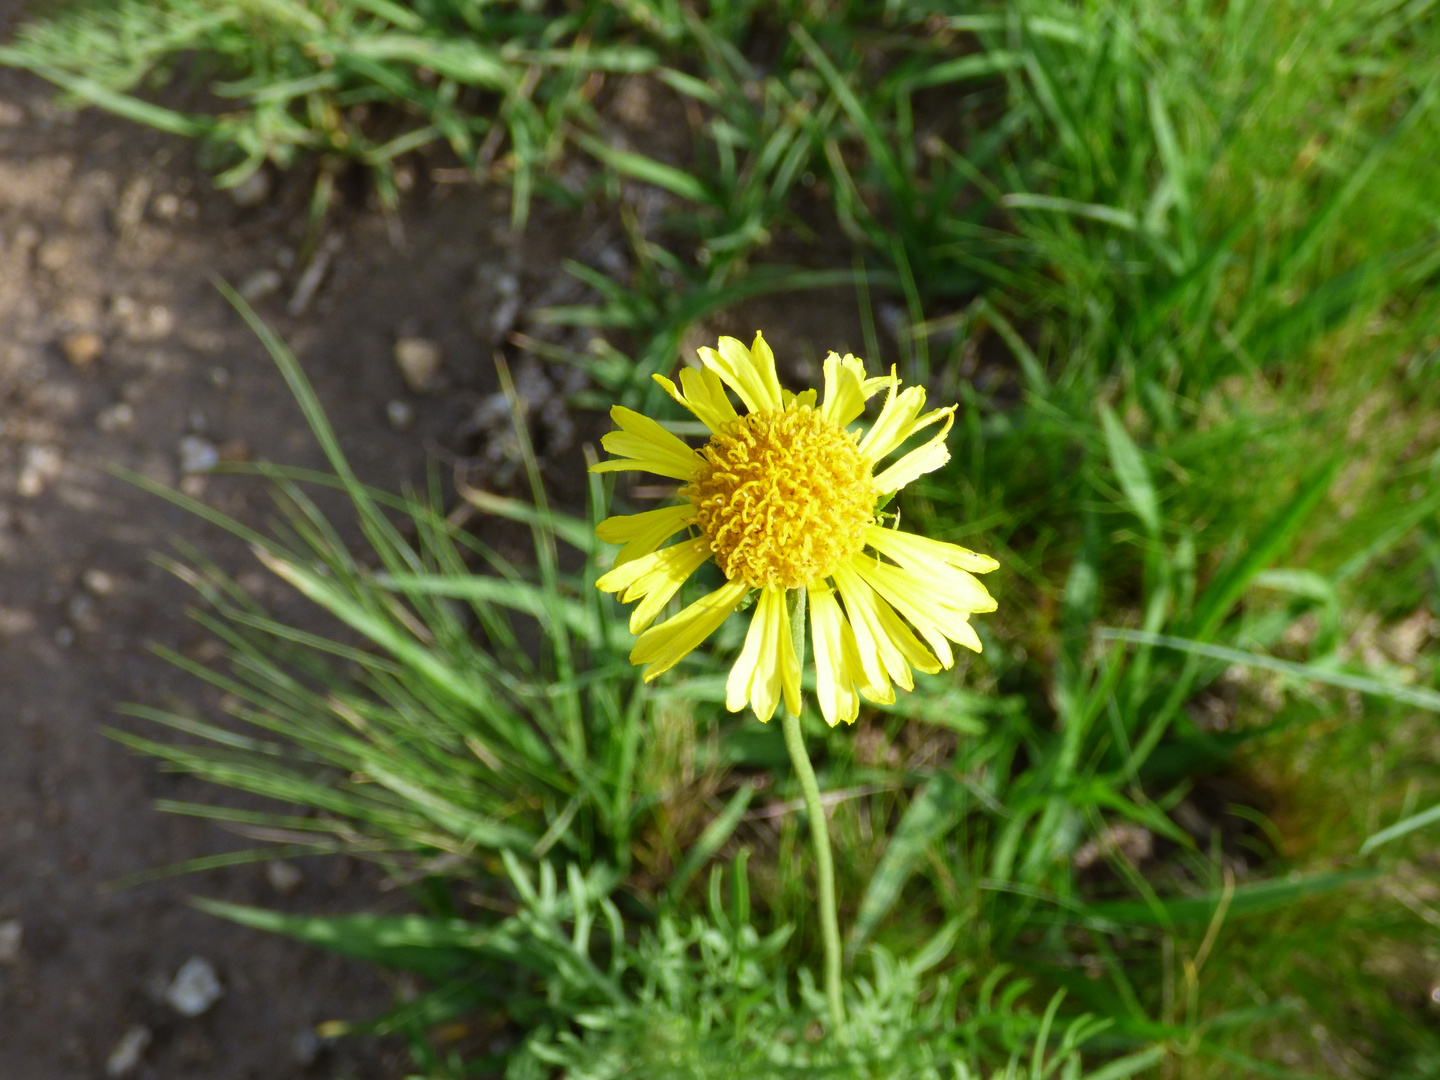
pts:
[783, 497]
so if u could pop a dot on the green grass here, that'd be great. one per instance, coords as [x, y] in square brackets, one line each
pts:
[1176, 262]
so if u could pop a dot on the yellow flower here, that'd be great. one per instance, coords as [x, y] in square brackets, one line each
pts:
[785, 497]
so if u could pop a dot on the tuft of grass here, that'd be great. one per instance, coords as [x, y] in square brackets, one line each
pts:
[1176, 263]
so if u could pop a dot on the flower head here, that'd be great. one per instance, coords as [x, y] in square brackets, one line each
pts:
[786, 496]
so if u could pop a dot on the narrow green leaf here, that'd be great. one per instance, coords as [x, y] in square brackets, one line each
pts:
[131, 108]
[1401, 828]
[432, 947]
[1129, 466]
[648, 170]
[712, 839]
[977, 66]
[1129, 1065]
[1225, 591]
[1244, 900]
[931, 814]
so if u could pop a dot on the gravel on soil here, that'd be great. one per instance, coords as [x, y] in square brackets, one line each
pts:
[116, 350]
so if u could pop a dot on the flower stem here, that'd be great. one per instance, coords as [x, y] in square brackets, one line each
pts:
[819, 827]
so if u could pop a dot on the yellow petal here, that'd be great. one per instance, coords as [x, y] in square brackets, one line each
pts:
[767, 665]
[656, 577]
[703, 394]
[916, 599]
[898, 421]
[926, 557]
[664, 646]
[923, 459]
[749, 372]
[642, 444]
[837, 660]
[847, 389]
[887, 646]
[643, 533]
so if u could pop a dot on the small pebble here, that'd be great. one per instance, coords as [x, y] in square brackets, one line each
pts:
[81, 611]
[400, 414]
[219, 377]
[260, 284]
[11, 115]
[56, 254]
[39, 465]
[142, 323]
[284, 877]
[115, 418]
[419, 360]
[158, 322]
[82, 349]
[197, 454]
[125, 1058]
[195, 987]
[13, 623]
[166, 206]
[234, 450]
[252, 191]
[307, 1047]
[12, 936]
[98, 582]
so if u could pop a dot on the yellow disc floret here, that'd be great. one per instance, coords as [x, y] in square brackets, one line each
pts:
[783, 496]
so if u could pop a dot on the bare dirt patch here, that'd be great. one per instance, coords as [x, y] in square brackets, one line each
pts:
[116, 350]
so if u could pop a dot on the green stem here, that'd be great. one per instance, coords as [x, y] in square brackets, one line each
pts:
[819, 827]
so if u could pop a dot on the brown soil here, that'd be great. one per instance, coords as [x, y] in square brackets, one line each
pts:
[115, 347]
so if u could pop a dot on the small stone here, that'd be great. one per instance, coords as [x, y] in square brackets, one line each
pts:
[234, 450]
[39, 465]
[98, 582]
[220, 377]
[115, 418]
[252, 191]
[260, 284]
[14, 622]
[419, 360]
[502, 320]
[153, 324]
[197, 454]
[125, 1058]
[307, 1048]
[12, 936]
[82, 349]
[65, 637]
[80, 311]
[400, 415]
[141, 323]
[284, 877]
[11, 115]
[56, 254]
[81, 611]
[195, 987]
[194, 486]
[166, 206]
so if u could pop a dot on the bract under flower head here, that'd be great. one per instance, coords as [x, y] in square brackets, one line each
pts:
[783, 497]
